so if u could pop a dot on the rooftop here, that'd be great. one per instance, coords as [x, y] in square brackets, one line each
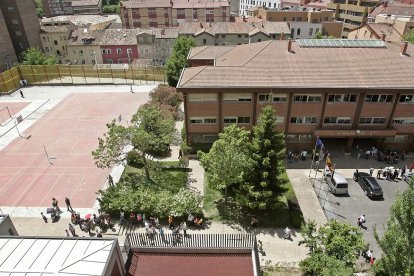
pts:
[78, 36]
[54, 29]
[54, 256]
[79, 20]
[119, 37]
[268, 28]
[79, 3]
[391, 34]
[176, 4]
[187, 264]
[269, 64]
[394, 9]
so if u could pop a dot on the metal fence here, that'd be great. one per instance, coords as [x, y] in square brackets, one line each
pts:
[60, 74]
[199, 241]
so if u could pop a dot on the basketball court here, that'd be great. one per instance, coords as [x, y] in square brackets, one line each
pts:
[67, 134]
[9, 109]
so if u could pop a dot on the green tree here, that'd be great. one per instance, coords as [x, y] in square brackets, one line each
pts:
[227, 163]
[33, 56]
[334, 246]
[39, 8]
[150, 133]
[167, 99]
[178, 59]
[397, 243]
[267, 151]
[319, 35]
[410, 36]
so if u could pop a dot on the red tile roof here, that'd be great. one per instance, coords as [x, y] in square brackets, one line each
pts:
[268, 64]
[189, 264]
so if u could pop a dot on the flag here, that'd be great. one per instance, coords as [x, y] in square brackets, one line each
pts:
[319, 142]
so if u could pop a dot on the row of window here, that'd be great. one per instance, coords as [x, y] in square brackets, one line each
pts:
[118, 51]
[308, 138]
[315, 98]
[307, 120]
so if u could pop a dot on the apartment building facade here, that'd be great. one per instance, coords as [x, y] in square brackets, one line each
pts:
[57, 7]
[247, 5]
[303, 22]
[231, 84]
[119, 46]
[87, 7]
[166, 13]
[7, 55]
[234, 33]
[83, 47]
[353, 13]
[22, 23]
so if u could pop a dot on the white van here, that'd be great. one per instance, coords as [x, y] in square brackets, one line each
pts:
[337, 184]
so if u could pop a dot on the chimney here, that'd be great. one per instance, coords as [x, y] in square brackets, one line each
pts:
[383, 37]
[290, 45]
[244, 18]
[404, 48]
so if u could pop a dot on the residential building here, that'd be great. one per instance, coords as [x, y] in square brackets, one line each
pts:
[305, 82]
[119, 46]
[7, 227]
[22, 24]
[87, 7]
[206, 254]
[93, 22]
[303, 22]
[353, 13]
[61, 256]
[155, 45]
[83, 46]
[57, 7]
[316, 4]
[235, 7]
[383, 31]
[246, 5]
[234, 33]
[7, 55]
[166, 13]
[54, 40]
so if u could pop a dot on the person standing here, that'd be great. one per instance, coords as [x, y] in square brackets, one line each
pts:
[68, 205]
[72, 230]
[67, 233]
[170, 222]
[110, 180]
[55, 205]
[379, 173]
[183, 227]
[21, 93]
[162, 232]
[371, 171]
[121, 217]
[132, 91]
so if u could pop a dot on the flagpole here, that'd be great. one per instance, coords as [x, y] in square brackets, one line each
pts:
[313, 156]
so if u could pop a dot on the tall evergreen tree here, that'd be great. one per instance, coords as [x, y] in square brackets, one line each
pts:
[178, 59]
[268, 150]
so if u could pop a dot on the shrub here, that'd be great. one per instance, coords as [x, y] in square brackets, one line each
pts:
[134, 159]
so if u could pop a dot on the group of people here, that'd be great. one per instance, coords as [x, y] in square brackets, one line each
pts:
[389, 173]
[295, 156]
[387, 156]
[55, 211]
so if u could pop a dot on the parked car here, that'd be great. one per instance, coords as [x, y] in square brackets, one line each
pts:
[369, 185]
[337, 183]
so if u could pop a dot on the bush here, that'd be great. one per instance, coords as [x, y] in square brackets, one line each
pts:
[112, 9]
[134, 159]
[167, 99]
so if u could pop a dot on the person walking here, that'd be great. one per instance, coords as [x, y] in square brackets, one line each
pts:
[162, 232]
[379, 173]
[371, 171]
[44, 217]
[72, 229]
[67, 233]
[68, 205]
[21, 93]
[132, 91]
[110, 180]
[121, 217]
[180, 154]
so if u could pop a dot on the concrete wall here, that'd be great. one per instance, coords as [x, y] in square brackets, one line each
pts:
[6, 226]
[7, 55]
[307, 30]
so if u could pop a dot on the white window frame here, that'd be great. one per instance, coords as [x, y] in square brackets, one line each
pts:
[302, 120]
[234, 97]
[372, 119]
[118, 51]
[403, 121]
[230, 118]
[240, 123]
[202, 97]
[308, 98]
[408, 99]
[380, 97]
[338, 120]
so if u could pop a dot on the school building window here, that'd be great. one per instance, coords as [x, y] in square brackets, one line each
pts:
[307, 98]
[304, 120]
[407, 99]
[233, 97]
[378, 98]
[341, 98]
[403, 121]
[203, 120]
[372, 121]
[208, 97]
[337, 120]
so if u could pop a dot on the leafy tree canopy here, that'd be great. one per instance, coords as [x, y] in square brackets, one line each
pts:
[33, 56]
[410, 36]
[319, 35]
[267, 152]
[335, 245]
[178, 59]
[228, 161]
[397, 243]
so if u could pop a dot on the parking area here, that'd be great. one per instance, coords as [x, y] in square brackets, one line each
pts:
[349, 208]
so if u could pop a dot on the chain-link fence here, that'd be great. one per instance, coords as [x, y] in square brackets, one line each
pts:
[60, 74]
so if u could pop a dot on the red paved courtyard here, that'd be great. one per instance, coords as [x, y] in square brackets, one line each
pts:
[70, 132]
[14, 107]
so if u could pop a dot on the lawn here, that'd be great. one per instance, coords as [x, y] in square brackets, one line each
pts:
[171, 179]
[285, 214]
